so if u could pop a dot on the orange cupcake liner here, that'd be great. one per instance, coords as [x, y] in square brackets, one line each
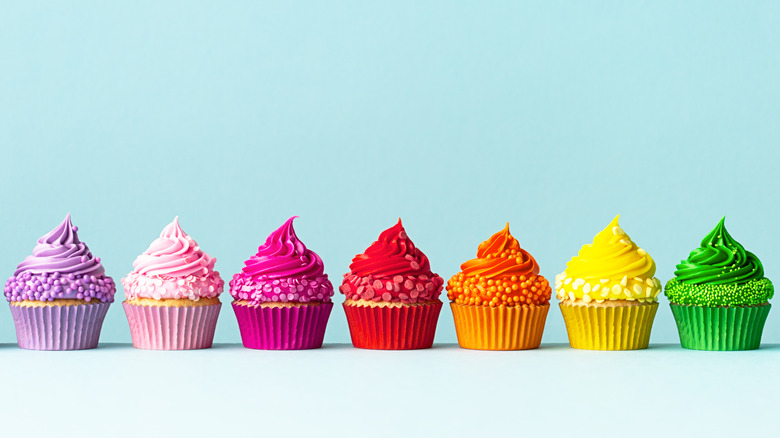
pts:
[494, 328]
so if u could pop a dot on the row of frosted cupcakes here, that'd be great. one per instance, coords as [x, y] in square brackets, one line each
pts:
[608, 294]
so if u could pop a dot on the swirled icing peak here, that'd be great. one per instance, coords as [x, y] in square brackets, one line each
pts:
[499, 256]
[284, 255]
[173, 267]
[503, 274]
[392, 269]
[613, 267]
[719, 260]
[61, 251]
[392, 254]
[611, 255]
[283, 270]
[60, 267]
[174, 254]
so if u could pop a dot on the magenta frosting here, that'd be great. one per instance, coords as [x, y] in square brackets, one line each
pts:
[60, 267]
[283, 270]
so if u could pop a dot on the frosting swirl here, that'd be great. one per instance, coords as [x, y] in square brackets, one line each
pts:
[283, 270]
[173, 254]
[503, 274]
[61, 251]
[284, 255]
[392, 269]
[613, 267]
[719, 260]
[392, 254]
[173, 267]
[493, 258]
[611, 255]
[61, 267]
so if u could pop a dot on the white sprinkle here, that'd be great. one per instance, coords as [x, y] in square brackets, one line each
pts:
[577, 283]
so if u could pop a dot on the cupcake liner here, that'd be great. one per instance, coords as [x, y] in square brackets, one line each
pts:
[494, 328]
[720, 328]
[172, 328]
[393, 328]
[609, 328]
[283, 328]
[59, 328]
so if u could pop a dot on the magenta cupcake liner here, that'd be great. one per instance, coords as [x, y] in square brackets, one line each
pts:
[59, 328]
[283, 328]
[172, 328]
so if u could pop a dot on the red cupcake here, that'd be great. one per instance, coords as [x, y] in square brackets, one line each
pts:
[392, 297]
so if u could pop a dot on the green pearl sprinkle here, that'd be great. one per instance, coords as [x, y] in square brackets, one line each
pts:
[752, 293]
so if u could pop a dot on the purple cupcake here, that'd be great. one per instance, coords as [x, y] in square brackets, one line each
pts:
[60, 294]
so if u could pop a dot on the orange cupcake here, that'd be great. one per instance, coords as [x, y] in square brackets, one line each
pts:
[499, 301]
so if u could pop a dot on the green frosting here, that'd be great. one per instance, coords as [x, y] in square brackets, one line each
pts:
[719, 260]
[752, 293]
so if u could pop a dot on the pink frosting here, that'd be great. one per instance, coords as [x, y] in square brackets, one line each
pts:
[283, 270]
[173, 267]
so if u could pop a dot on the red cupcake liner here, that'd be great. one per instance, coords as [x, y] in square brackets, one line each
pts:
[172, 328]
[393, 328]
[282, 328]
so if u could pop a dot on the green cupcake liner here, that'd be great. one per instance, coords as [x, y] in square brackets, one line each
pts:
[720, 328]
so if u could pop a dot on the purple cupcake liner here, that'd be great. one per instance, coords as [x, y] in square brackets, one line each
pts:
[172, 328]
[283, 328]
[59, 328]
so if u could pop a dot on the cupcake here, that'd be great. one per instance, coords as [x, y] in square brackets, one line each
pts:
[499, 301]
[282, 296]
[719, 295]
[608, 293]
[173, 294]
[392, 297]
[60, 294]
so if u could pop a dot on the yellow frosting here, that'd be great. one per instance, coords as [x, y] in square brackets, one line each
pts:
[613, 267]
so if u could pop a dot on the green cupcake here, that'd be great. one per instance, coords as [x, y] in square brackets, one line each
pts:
[719, 296]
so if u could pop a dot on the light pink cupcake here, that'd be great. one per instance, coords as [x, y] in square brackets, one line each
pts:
[173, 294]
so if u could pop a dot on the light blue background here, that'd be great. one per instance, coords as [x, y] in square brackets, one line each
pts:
[455, 116]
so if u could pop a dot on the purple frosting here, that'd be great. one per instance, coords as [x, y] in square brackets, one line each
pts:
[60, 267]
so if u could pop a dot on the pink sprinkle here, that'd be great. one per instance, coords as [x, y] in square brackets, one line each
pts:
[360, 290]
[415, 265]
[386, 296]
[429, 286]
[368, 294]
[396, 287]
[420, 287]
[378, 284]
[408, 284]
[398, 279]
[389, 285]
[414, 294]
[424, 277]
[403, 296]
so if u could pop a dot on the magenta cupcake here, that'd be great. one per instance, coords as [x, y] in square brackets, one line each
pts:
[173, 294]
[60, 294]
[282, 295]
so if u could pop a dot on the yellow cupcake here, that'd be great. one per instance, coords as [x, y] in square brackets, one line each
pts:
[608, 293]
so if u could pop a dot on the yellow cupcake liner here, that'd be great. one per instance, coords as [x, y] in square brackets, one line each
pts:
[607, 327]
[494, 328]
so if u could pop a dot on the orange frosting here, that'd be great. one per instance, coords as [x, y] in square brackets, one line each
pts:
[503, 274]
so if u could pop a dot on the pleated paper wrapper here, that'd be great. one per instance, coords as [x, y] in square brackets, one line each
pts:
[720, 328]
[494, 328]
[393, 328]
[59, 328]
[172, 328]
[609, 328]
[283, 328]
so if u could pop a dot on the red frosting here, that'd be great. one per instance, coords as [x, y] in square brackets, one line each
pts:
[392, 269]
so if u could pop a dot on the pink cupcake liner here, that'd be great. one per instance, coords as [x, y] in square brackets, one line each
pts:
[172, 328]
[283, 328]
[59, 328]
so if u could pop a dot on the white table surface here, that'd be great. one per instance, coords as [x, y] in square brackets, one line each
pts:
[338, 390]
